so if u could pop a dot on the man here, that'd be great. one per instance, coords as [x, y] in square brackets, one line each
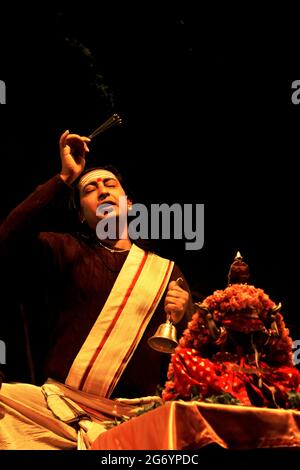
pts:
[108, 297]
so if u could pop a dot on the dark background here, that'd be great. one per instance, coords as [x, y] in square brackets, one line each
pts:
[207, 118]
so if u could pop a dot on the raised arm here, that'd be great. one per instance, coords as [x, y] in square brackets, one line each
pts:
[23, 221]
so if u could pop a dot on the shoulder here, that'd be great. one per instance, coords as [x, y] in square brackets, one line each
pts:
[65, 245]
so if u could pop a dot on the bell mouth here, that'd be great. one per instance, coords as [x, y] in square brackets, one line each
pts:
[165, 345]
[165, 339]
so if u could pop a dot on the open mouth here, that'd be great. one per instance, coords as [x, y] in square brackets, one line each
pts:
[106, 207]
[106, 203]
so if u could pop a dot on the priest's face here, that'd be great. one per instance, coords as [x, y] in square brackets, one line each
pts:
[100, 192]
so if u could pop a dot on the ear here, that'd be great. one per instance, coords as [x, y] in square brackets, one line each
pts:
[81, 217]
[129, 204]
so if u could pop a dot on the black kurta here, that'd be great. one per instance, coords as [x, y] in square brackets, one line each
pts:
[78, 276]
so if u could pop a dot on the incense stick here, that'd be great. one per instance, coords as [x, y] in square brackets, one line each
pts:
[112, 121]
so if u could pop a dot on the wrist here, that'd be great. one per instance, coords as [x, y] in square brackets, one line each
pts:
[67, 179]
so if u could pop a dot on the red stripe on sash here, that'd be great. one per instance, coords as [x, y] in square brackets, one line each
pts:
[112, 385]
[114, 321]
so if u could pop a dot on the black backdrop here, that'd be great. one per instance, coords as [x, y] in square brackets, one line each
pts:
[207, 118]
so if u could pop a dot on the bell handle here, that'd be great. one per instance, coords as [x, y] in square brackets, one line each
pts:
[169, 319]
[179, 281]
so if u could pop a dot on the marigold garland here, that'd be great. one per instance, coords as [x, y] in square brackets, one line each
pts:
[247, 312]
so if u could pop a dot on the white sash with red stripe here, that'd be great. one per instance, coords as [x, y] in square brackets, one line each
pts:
[118, 329]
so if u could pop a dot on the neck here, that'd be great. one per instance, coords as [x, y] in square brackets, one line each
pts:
[118, 244]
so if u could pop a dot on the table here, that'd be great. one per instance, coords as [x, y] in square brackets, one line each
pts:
[179, 425]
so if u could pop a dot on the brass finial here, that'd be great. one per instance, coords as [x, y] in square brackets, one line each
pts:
[239, 271]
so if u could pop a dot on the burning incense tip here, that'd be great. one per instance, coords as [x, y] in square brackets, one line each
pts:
[112, 121]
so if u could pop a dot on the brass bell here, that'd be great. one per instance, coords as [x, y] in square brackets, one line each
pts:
[165, 338]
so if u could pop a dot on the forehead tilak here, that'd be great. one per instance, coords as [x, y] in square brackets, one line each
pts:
[96, 175]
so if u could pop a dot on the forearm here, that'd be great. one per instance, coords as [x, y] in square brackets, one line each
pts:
[25, 217]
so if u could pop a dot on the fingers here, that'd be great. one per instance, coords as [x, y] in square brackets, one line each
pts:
[176, 301]
[174, 312]
[74, 139]
[179, 283]
[172, 285]
[85, 140]
[63, 138]
[175, 291]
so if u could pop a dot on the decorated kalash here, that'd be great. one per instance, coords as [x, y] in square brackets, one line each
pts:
[236, 350]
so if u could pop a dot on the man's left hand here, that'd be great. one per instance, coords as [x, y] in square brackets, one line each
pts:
[176, 301]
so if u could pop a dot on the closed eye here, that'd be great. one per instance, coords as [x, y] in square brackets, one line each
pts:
[89, 188]
[110, 183]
